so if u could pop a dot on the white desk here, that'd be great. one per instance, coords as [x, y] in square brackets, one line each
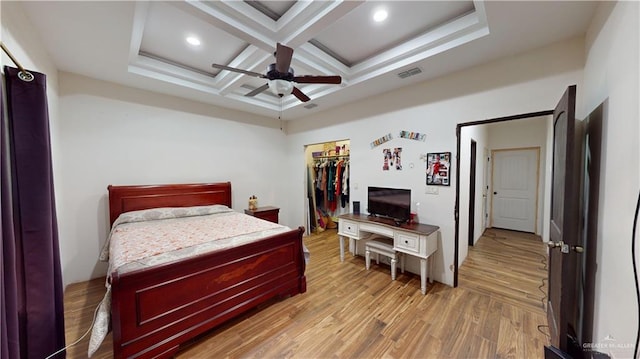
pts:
[418, 240]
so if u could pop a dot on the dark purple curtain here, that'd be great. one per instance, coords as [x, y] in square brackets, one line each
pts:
[32, 297]
[9, 329]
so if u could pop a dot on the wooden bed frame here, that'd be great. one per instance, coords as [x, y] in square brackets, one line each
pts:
[156, 309]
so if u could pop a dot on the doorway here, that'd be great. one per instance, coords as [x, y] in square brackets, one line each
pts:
[491, 138]
[539, 116]
[327, 185]
[515, 189]
[571, 257]
[472, 191]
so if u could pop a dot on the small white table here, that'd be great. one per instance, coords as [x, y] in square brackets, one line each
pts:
[418, 240]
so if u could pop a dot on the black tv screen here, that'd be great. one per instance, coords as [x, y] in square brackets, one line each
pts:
[393, 203]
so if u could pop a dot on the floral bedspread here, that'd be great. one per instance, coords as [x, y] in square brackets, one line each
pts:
[137, 244]
[140, 239]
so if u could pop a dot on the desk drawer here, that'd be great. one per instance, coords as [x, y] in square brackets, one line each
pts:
[407, 242]
[348, 228]
[377, 229]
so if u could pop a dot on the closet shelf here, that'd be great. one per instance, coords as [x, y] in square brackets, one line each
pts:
[330, 156]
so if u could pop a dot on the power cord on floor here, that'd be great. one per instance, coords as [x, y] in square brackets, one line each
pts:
[93, 321]
[635, 272]
[540, 330]
[544, 294]
[544, 267]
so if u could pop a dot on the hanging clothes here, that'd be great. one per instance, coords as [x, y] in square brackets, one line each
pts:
[311, 196]
[338, 181]
[323, 184]
[344, 198]
[331, 187]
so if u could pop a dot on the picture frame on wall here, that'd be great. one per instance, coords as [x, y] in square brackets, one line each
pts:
[438, 169]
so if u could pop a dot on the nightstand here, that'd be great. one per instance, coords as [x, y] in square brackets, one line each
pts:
[268, 213]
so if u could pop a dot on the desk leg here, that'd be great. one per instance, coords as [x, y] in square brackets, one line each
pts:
[430, 269]
[423, 275]
[341, 238]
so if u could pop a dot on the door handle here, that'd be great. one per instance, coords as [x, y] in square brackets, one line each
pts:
[552, 244]
[578, 249]
[564, 248]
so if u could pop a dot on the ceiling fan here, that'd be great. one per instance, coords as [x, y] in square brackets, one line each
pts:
[281, 77]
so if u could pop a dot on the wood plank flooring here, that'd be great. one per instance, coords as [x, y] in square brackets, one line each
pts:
[349, 312]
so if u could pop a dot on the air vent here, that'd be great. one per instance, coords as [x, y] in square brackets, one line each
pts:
[410, 72]
[310, 106]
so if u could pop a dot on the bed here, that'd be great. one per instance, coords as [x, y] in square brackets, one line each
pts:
[155, 309]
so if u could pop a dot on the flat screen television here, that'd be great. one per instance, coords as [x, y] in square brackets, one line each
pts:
[394, 203]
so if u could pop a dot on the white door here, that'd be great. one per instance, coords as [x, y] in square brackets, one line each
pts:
[515, 189]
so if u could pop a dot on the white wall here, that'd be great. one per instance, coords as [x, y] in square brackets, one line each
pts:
[481, 136]
[112, 134]
[505, 87]
[611, 73]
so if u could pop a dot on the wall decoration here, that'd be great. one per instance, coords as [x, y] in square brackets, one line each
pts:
[438, 168]
[392, 159]
[381, 140]
[386, 158]
[413, 135]
[397, 158]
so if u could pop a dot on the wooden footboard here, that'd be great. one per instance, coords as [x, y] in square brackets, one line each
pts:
[155, 310]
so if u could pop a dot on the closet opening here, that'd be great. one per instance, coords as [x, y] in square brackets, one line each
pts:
[327, 185]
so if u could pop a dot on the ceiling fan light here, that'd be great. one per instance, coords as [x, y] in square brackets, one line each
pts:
[280, 87]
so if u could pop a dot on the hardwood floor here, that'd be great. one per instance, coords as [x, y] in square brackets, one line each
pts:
[349, 312]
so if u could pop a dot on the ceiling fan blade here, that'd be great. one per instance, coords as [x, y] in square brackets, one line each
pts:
[233, 69]
[308, 79]
[300, 95]
[257, 90]
[283, 58]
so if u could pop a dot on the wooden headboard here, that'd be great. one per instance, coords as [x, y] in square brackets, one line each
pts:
[133, 198]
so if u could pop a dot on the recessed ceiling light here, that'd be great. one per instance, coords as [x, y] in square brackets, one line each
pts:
[193, 40]
[380, 15]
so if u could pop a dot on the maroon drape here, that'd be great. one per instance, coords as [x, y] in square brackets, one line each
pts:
[33, 305]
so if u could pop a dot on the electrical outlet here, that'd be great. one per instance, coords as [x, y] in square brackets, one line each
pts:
[431, 190]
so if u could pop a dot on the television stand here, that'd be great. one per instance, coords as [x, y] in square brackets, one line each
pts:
[415, 239]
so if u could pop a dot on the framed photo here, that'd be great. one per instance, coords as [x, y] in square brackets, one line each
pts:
[438, 168]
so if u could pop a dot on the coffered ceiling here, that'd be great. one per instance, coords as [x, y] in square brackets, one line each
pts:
[143, 44]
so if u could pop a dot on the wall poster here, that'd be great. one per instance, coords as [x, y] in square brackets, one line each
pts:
[438, 168]
[392, 159]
